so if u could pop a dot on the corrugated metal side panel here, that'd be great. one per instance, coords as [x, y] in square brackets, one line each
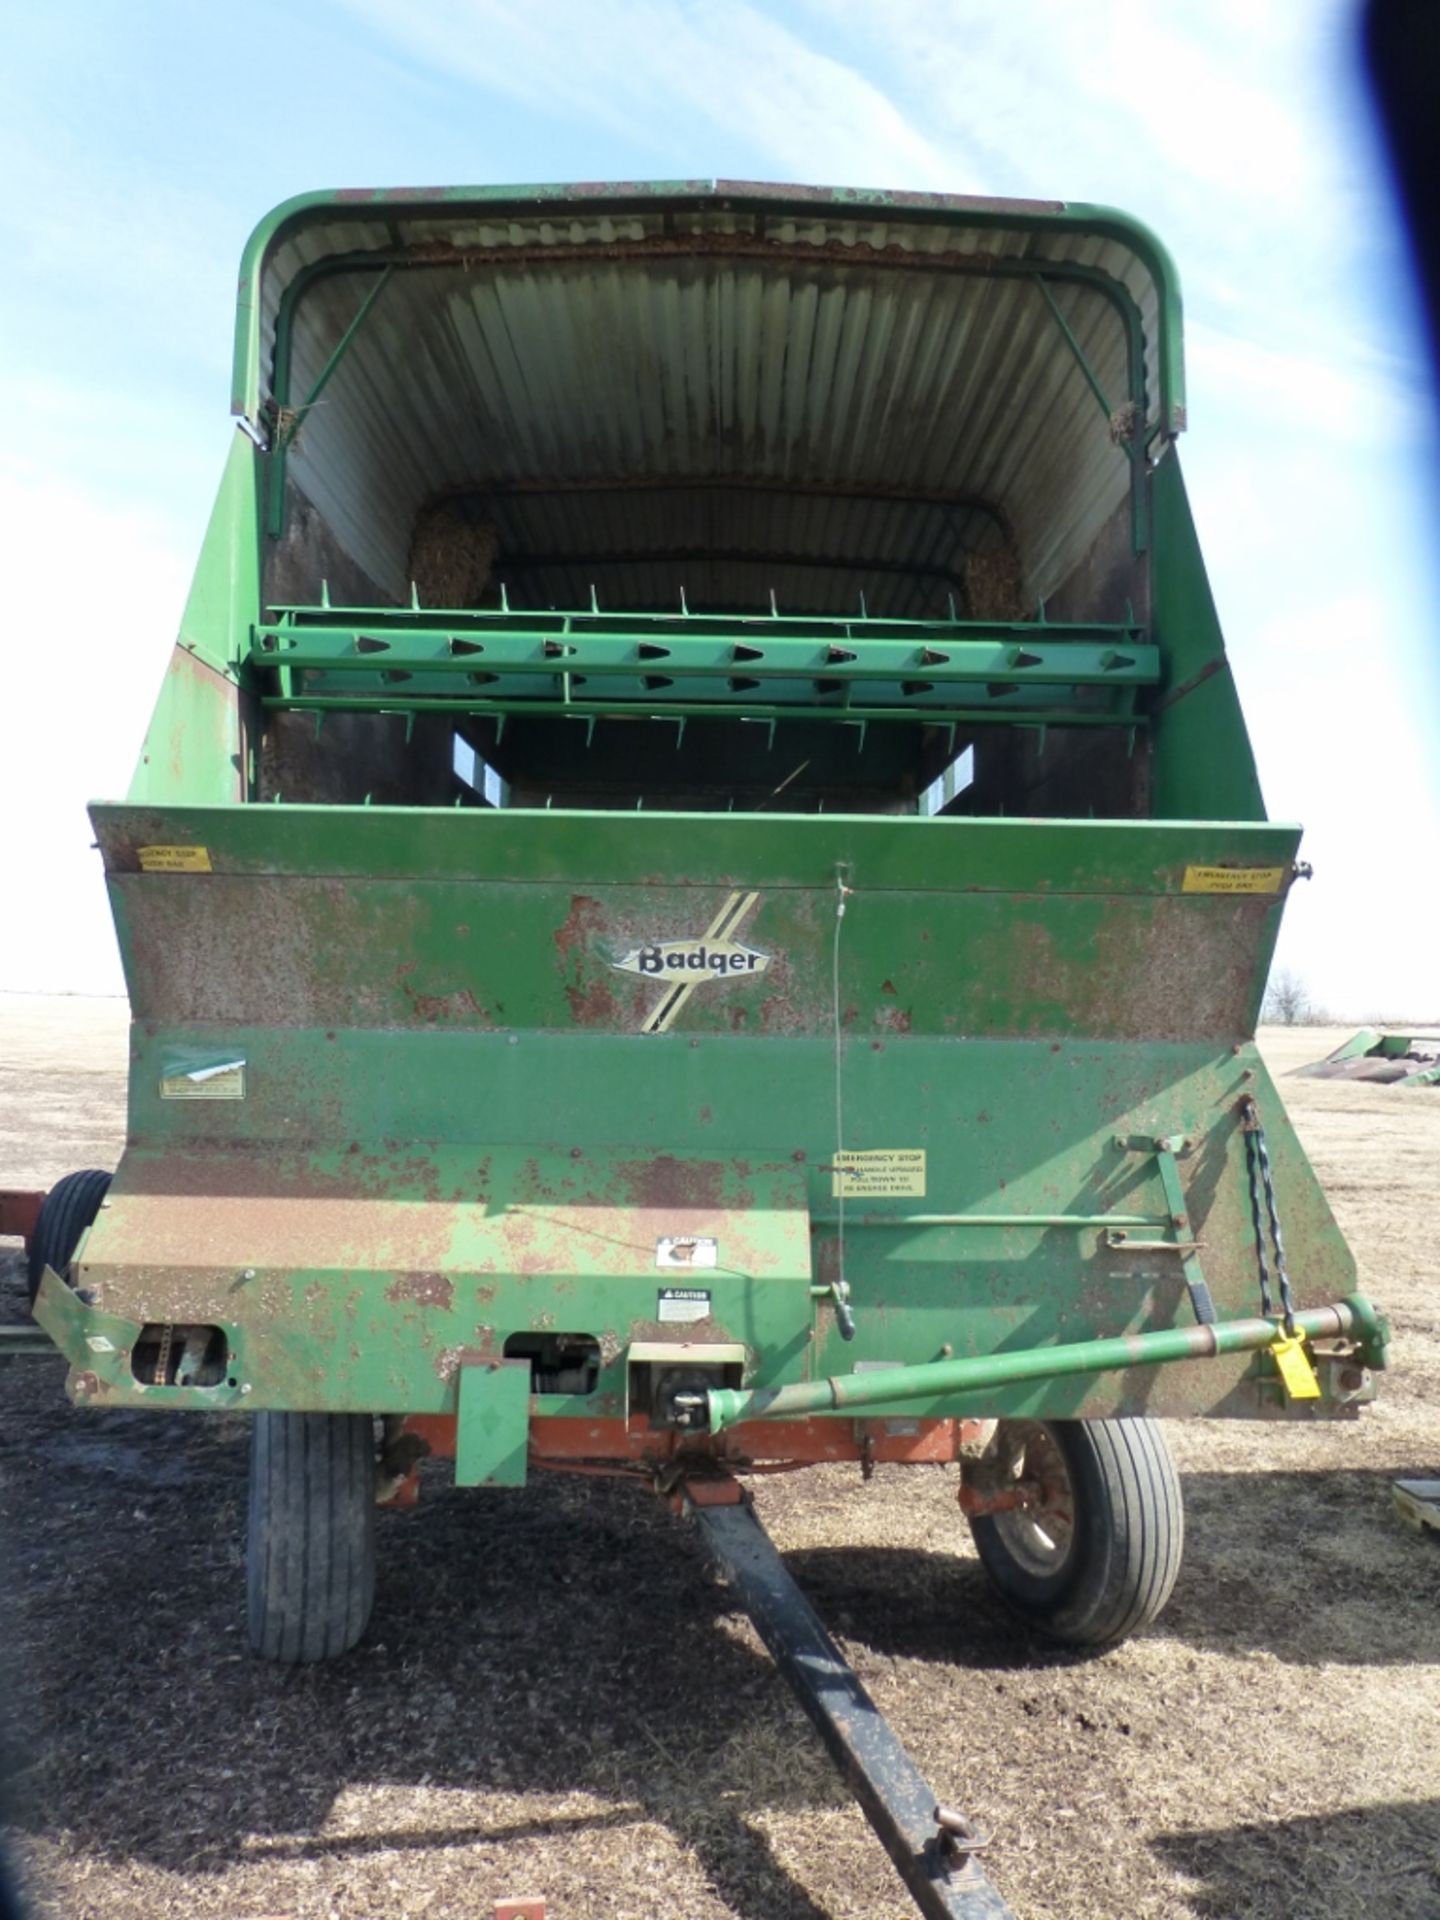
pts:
[854, 355]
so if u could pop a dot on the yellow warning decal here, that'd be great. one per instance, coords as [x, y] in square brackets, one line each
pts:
[223, 1082]
[1232, 879]
[880, 1173]
[1295, 1369]
[173, 859]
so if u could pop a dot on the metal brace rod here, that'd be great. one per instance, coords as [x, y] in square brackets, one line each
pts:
[292, 622]
[1196, 1285]
[287, 428]
[1091, 377]
[943, 1878]
[730, 708]
[1134, 450]
[1114, 1221]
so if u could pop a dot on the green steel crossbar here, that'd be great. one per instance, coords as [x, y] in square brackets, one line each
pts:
[499, 661]
[1354, 1315]
[742, 663]
[761, 627]
[1116, 1220]
[400, 703]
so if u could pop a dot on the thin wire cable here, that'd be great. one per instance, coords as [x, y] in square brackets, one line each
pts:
[842, 1289]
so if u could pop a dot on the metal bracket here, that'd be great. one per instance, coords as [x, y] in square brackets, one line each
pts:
[492, 1429]
[1166, 1148]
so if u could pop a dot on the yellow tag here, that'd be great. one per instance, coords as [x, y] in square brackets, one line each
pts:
[1295, 1369]
[173, 859]
[880, 1173]
[1232, 879]
[224, 1082]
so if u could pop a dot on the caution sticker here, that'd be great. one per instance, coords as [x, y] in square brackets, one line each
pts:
[682, 1304]
[880, 1173]
[174, 859]
[688, 1250]
[1232, 879]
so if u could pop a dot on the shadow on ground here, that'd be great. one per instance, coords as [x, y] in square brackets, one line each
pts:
[1315, 1568]
[1377, 1861]
[562, 1643]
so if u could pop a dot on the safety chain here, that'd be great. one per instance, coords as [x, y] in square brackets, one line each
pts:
[1257, 1159]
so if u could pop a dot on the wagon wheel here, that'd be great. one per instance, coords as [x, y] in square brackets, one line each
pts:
[67, 1213]
[1091, 1554]
[310, 1565]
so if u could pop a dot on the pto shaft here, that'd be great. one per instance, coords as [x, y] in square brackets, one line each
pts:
[889, 1386]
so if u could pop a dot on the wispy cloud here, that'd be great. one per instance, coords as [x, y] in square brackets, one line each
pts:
[1238, 131]
[712, 77]
[1364, 399]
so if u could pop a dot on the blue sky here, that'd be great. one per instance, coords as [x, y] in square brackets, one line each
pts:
[141, 142]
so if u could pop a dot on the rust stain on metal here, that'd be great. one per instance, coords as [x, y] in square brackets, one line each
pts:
[669, 1182]
[893, 1019]
[459, 1005]
[450, 1360]
[425, 1289]
[586, 917]
[594, 1004]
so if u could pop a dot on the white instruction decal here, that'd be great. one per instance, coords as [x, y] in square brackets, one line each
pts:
[683, 1304]
[880, 1173]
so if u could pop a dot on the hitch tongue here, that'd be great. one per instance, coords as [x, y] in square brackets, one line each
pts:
[930, 1845]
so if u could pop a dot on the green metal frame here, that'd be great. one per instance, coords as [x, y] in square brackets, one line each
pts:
[355, 660]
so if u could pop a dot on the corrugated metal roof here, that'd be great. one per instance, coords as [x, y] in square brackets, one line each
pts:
[805, 391]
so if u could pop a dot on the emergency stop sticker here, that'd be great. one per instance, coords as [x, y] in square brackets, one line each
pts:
[1232, 879]
[879, 1173]
[173, 859]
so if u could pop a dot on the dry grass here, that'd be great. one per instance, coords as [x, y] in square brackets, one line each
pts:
[993, 587]
[556, 1695]
[452, 557]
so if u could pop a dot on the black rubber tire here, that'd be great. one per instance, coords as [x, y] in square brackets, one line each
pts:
[1124, 1550]
[310, 1565]
[66, 1211]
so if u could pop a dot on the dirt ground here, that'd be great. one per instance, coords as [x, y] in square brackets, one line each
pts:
[556, 1696]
